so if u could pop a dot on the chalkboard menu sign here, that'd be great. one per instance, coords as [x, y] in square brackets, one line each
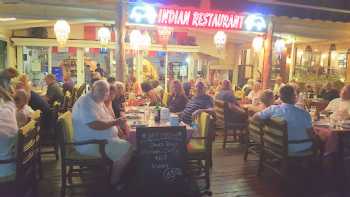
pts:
[161, 158]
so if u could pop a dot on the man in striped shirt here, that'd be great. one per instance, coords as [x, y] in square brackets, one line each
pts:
[201, 102]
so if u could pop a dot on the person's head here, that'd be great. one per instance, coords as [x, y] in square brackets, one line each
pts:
[21, 98]
[257, 86]
[155, 83]
[23, 82]
[111, 80]
[50, 79]
[100, 91]
[226, 85]
[279, 80]
[328, 86]
[267, 98]
[98, 65]
[146, 87]
[200, 88]
[187, 88]
[11, 72]
[288, 94]
[67, 77]
[120, 87]
[345, 93]
[176, 88]
[112, 92]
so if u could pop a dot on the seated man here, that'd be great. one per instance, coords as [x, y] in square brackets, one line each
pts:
[340, 107]
[91, 120]
[201, 102]
[298, 120]
[54, 92]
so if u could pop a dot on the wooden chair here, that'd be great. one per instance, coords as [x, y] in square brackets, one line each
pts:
[231, 126]
[165, 99]
[275, 154]
[254, 138]
[48, 136]
[200, 149]
[74, 164]
[25, 179]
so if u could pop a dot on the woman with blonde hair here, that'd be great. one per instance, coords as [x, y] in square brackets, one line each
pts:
[177, 100]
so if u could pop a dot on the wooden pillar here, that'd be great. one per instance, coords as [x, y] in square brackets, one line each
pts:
[20, 64]
[49, 59]
[347, 75]
[80, 66]
[266, 72]
[293, 62]
[166, 77]
[120, 23]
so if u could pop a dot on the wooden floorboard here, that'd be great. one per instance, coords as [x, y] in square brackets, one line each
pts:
[231, 176]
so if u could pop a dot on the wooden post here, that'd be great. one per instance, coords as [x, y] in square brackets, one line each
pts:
[266, 72]
[120, 23]
[292, 65]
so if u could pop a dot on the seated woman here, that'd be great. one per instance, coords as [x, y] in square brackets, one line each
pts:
[255, 94]
[8, 133]
[24, 112]
[340, 107]
[91, 120]
[329, 92]
[177, 100]
[119, 100]
[151, 93]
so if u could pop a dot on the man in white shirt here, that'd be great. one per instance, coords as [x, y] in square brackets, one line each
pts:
[92, 121]
[299, 122]
[340, 107]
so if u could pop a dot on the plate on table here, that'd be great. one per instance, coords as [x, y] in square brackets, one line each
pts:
[321, 124]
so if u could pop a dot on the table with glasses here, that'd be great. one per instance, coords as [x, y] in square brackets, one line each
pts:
[143, 116]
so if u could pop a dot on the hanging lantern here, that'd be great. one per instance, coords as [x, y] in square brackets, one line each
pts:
[146, 41]
[62, 30]
[135, 39]
[220, 39]
[280, 45]
[164, 34]
[104, 35]
[258, 43]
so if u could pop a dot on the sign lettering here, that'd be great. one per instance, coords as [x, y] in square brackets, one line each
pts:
[147, 14]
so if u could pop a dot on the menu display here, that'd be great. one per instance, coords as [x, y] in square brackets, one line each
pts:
[161, 157]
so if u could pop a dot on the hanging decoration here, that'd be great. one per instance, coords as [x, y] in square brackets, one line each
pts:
[220, 39]
[104, 35]
[258, 43]
[146, 41]
[163, 34]
[280, 45]
[135, 39]
[62, 31]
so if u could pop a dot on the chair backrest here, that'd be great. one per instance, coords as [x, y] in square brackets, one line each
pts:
[165, 99]
[255, 131]
[65, 127]
[205, 129]
[220, 114]
[27, 152]
[275, 138]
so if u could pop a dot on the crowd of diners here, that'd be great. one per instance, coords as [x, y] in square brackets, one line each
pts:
[100, 113]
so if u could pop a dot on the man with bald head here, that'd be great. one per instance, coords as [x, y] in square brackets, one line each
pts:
[91, 120]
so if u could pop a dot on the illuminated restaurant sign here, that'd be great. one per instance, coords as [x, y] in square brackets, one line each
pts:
[148, 14]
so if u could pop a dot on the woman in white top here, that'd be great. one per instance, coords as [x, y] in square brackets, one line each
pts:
[8, 133]
[340, 107]
[24, 112]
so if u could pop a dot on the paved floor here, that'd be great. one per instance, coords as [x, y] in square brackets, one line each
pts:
[230, 177]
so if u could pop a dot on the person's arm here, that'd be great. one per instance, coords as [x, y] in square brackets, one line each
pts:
[265, 114]
[235, 108]
[102, 125]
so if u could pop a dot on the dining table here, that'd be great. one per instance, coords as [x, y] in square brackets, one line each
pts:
[334, 137]
[143, 116]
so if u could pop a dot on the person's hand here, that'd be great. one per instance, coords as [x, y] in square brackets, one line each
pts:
[196, 113]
